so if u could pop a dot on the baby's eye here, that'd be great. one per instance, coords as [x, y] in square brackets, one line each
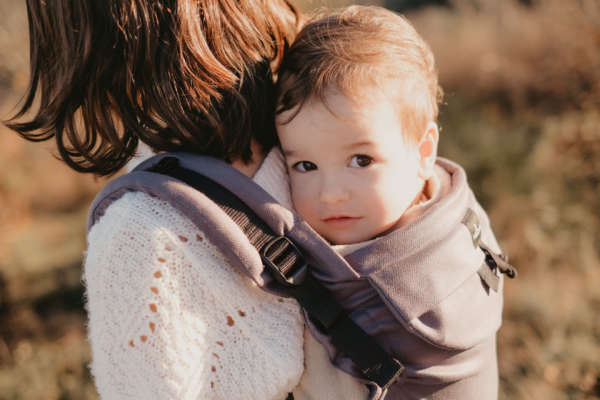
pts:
[360, 161]
[304, 166]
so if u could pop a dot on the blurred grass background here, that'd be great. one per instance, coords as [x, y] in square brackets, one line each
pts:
[521, 113]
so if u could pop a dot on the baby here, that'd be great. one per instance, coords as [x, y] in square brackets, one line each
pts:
[356, 119]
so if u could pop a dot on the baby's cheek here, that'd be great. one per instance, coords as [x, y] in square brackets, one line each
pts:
[295, 193]
[389, 200]
[302, 203]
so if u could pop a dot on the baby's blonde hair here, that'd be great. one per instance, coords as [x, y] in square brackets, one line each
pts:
[355, 50]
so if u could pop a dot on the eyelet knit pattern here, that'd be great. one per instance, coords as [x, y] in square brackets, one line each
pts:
[171, 319]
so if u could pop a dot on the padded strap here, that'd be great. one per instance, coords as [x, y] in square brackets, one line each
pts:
[286, 263]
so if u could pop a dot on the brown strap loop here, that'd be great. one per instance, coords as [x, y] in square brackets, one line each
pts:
[499, 261]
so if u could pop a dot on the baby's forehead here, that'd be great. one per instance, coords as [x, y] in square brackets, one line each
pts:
[368, 116]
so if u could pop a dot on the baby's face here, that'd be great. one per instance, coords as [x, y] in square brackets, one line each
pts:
[352, 173]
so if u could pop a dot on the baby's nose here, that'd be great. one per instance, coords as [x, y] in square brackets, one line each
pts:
[334, 192]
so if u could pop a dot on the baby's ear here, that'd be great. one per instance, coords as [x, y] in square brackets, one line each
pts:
[428, 150]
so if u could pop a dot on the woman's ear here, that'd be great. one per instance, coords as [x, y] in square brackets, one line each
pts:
[428, 150]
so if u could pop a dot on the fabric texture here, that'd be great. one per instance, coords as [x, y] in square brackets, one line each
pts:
[415, 289]
[171, 318]
[419, 294]
[321, 380]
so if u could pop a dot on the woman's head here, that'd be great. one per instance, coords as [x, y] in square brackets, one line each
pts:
[180, 75]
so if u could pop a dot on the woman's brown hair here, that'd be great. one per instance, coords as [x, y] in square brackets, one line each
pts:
[179, 75]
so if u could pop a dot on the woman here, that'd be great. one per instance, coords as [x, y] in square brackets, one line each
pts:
[168, 316]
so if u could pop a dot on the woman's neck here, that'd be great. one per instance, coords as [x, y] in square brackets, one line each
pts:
[250, 168]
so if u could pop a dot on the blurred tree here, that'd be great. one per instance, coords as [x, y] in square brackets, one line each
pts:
[405, 5]
[527, 3]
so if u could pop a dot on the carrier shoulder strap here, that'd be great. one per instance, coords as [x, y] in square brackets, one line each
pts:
[287, 264]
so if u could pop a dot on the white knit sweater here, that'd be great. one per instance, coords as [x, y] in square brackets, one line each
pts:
[169, 318]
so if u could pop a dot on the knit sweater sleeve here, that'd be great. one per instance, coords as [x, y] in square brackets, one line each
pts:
[169, 318]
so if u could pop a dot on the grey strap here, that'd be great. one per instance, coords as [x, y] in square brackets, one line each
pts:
[287, 264]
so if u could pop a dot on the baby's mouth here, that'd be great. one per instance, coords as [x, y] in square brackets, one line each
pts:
[340, 219]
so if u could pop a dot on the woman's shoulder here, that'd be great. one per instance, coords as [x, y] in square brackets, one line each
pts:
[170, 297]
[136, 217]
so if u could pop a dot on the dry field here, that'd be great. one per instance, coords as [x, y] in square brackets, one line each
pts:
[521, 113]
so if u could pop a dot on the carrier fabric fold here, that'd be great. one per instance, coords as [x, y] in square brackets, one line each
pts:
[427, 271]
[415, 290]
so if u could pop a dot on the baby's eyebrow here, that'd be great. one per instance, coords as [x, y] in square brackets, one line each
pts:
[288, 153]
[358, 144]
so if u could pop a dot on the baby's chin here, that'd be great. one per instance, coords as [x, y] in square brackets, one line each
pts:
[347, 238]
[358, 235]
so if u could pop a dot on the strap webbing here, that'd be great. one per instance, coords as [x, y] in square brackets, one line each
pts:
[286, 263]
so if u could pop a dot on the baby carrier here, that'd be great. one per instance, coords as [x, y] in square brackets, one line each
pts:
[399, 314]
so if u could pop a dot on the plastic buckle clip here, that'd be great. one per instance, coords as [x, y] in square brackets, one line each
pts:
[294, 276]
[386, 375]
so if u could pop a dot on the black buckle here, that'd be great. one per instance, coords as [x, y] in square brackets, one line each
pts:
[296, 274]
[385, 375]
